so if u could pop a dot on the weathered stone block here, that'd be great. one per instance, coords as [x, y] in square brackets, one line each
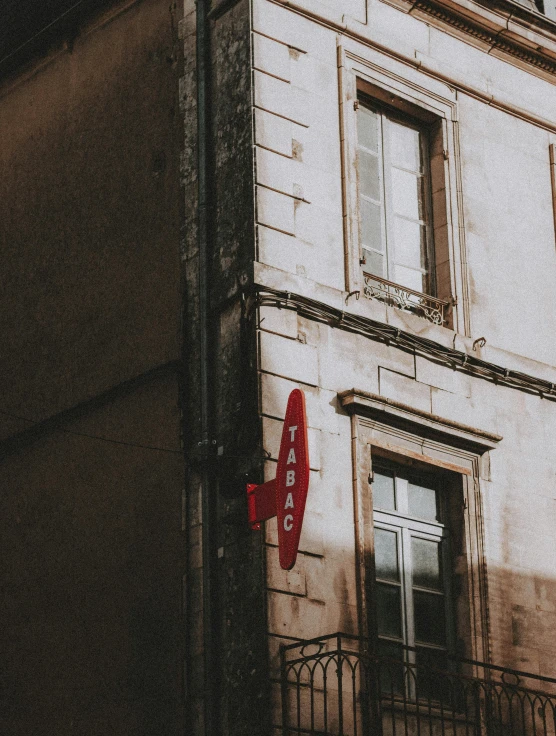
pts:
[275, 210]
[280, 321]
[406, 390]
[273, 132]
[442, 376]
[271, 57]
[288, 581]
[289, 358]
[279, 97]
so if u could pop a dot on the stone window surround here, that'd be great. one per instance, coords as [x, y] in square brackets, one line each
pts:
[403, 434]
[552, 152]
[357, 74]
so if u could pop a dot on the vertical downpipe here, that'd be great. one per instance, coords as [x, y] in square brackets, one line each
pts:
[208, 512]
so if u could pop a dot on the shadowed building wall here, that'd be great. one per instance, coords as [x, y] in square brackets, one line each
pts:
[91, 537]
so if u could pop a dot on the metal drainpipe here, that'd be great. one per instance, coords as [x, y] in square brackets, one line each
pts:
[208, 509]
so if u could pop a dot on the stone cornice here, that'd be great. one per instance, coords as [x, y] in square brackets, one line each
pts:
[502, 26]
[356, 401]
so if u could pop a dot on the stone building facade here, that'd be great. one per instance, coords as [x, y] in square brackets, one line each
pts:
[205, 206]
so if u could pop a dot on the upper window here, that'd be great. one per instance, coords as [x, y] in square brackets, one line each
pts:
[404, 235]
[395, 198]
[403, 224]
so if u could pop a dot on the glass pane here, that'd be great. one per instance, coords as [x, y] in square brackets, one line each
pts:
[426, 563]
[369, 179]
[371, 224]
[390, 667]
[434, 658]
[367, 128]
[384, 496]
[386, 555]
[410, 240]
[405, 147]
[408, 196]
[433, 684]
[423, 501]
[388, 610]
[408, 277]
[430, 621]
[375, 263]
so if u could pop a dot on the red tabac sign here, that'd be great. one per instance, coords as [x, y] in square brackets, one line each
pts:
[292, 479]
[285, 495]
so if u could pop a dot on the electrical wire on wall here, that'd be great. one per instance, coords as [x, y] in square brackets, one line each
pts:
[455, 359]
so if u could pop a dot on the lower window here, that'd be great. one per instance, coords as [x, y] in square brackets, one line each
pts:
[413, 601]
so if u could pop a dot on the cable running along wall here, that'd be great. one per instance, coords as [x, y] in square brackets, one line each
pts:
[455, 359]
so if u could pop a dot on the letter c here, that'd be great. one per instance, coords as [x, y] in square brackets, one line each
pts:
[288, 522]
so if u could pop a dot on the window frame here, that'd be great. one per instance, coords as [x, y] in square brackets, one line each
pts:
[381, 433]
[408, 527]
[387, 114]
[423, 99]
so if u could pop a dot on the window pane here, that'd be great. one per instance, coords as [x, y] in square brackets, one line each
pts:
[432, 658]
[375, 263]
[430, 622]
[433, 684]
[371, 225]
[408, 197]
[386, 555]
[405, 147]
[388, 609]
[367, 128]
[426, 563]
[410, 240]
[383, 492]
[408, 277]
[423, 502]
[369, 180]
[390, 673]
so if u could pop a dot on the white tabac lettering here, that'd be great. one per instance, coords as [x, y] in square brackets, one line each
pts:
[292, 432]
[288, 522]
[290, 477]
[289, 501]
[291, 457]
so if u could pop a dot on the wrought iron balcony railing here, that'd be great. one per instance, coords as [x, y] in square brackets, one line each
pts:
[429, 307]
[338, 685]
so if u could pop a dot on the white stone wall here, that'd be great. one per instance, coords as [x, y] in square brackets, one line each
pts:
[505, 277]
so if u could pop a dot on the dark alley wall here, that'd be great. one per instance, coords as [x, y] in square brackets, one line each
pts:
[90, 530]
[89, 213]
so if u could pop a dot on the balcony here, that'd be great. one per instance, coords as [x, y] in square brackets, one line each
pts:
[336, 686]
[402, 297]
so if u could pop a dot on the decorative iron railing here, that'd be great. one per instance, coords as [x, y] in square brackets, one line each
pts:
[338, 685]
[429, 307]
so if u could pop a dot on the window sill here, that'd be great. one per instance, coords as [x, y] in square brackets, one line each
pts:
[355, 304]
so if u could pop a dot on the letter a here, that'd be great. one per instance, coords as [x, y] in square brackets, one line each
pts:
[289, 501]
[290, 477]
[291, 457]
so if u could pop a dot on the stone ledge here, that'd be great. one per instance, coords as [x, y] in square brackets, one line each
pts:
[420, 422]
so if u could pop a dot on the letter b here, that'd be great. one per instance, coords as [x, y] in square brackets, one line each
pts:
[290, 477]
